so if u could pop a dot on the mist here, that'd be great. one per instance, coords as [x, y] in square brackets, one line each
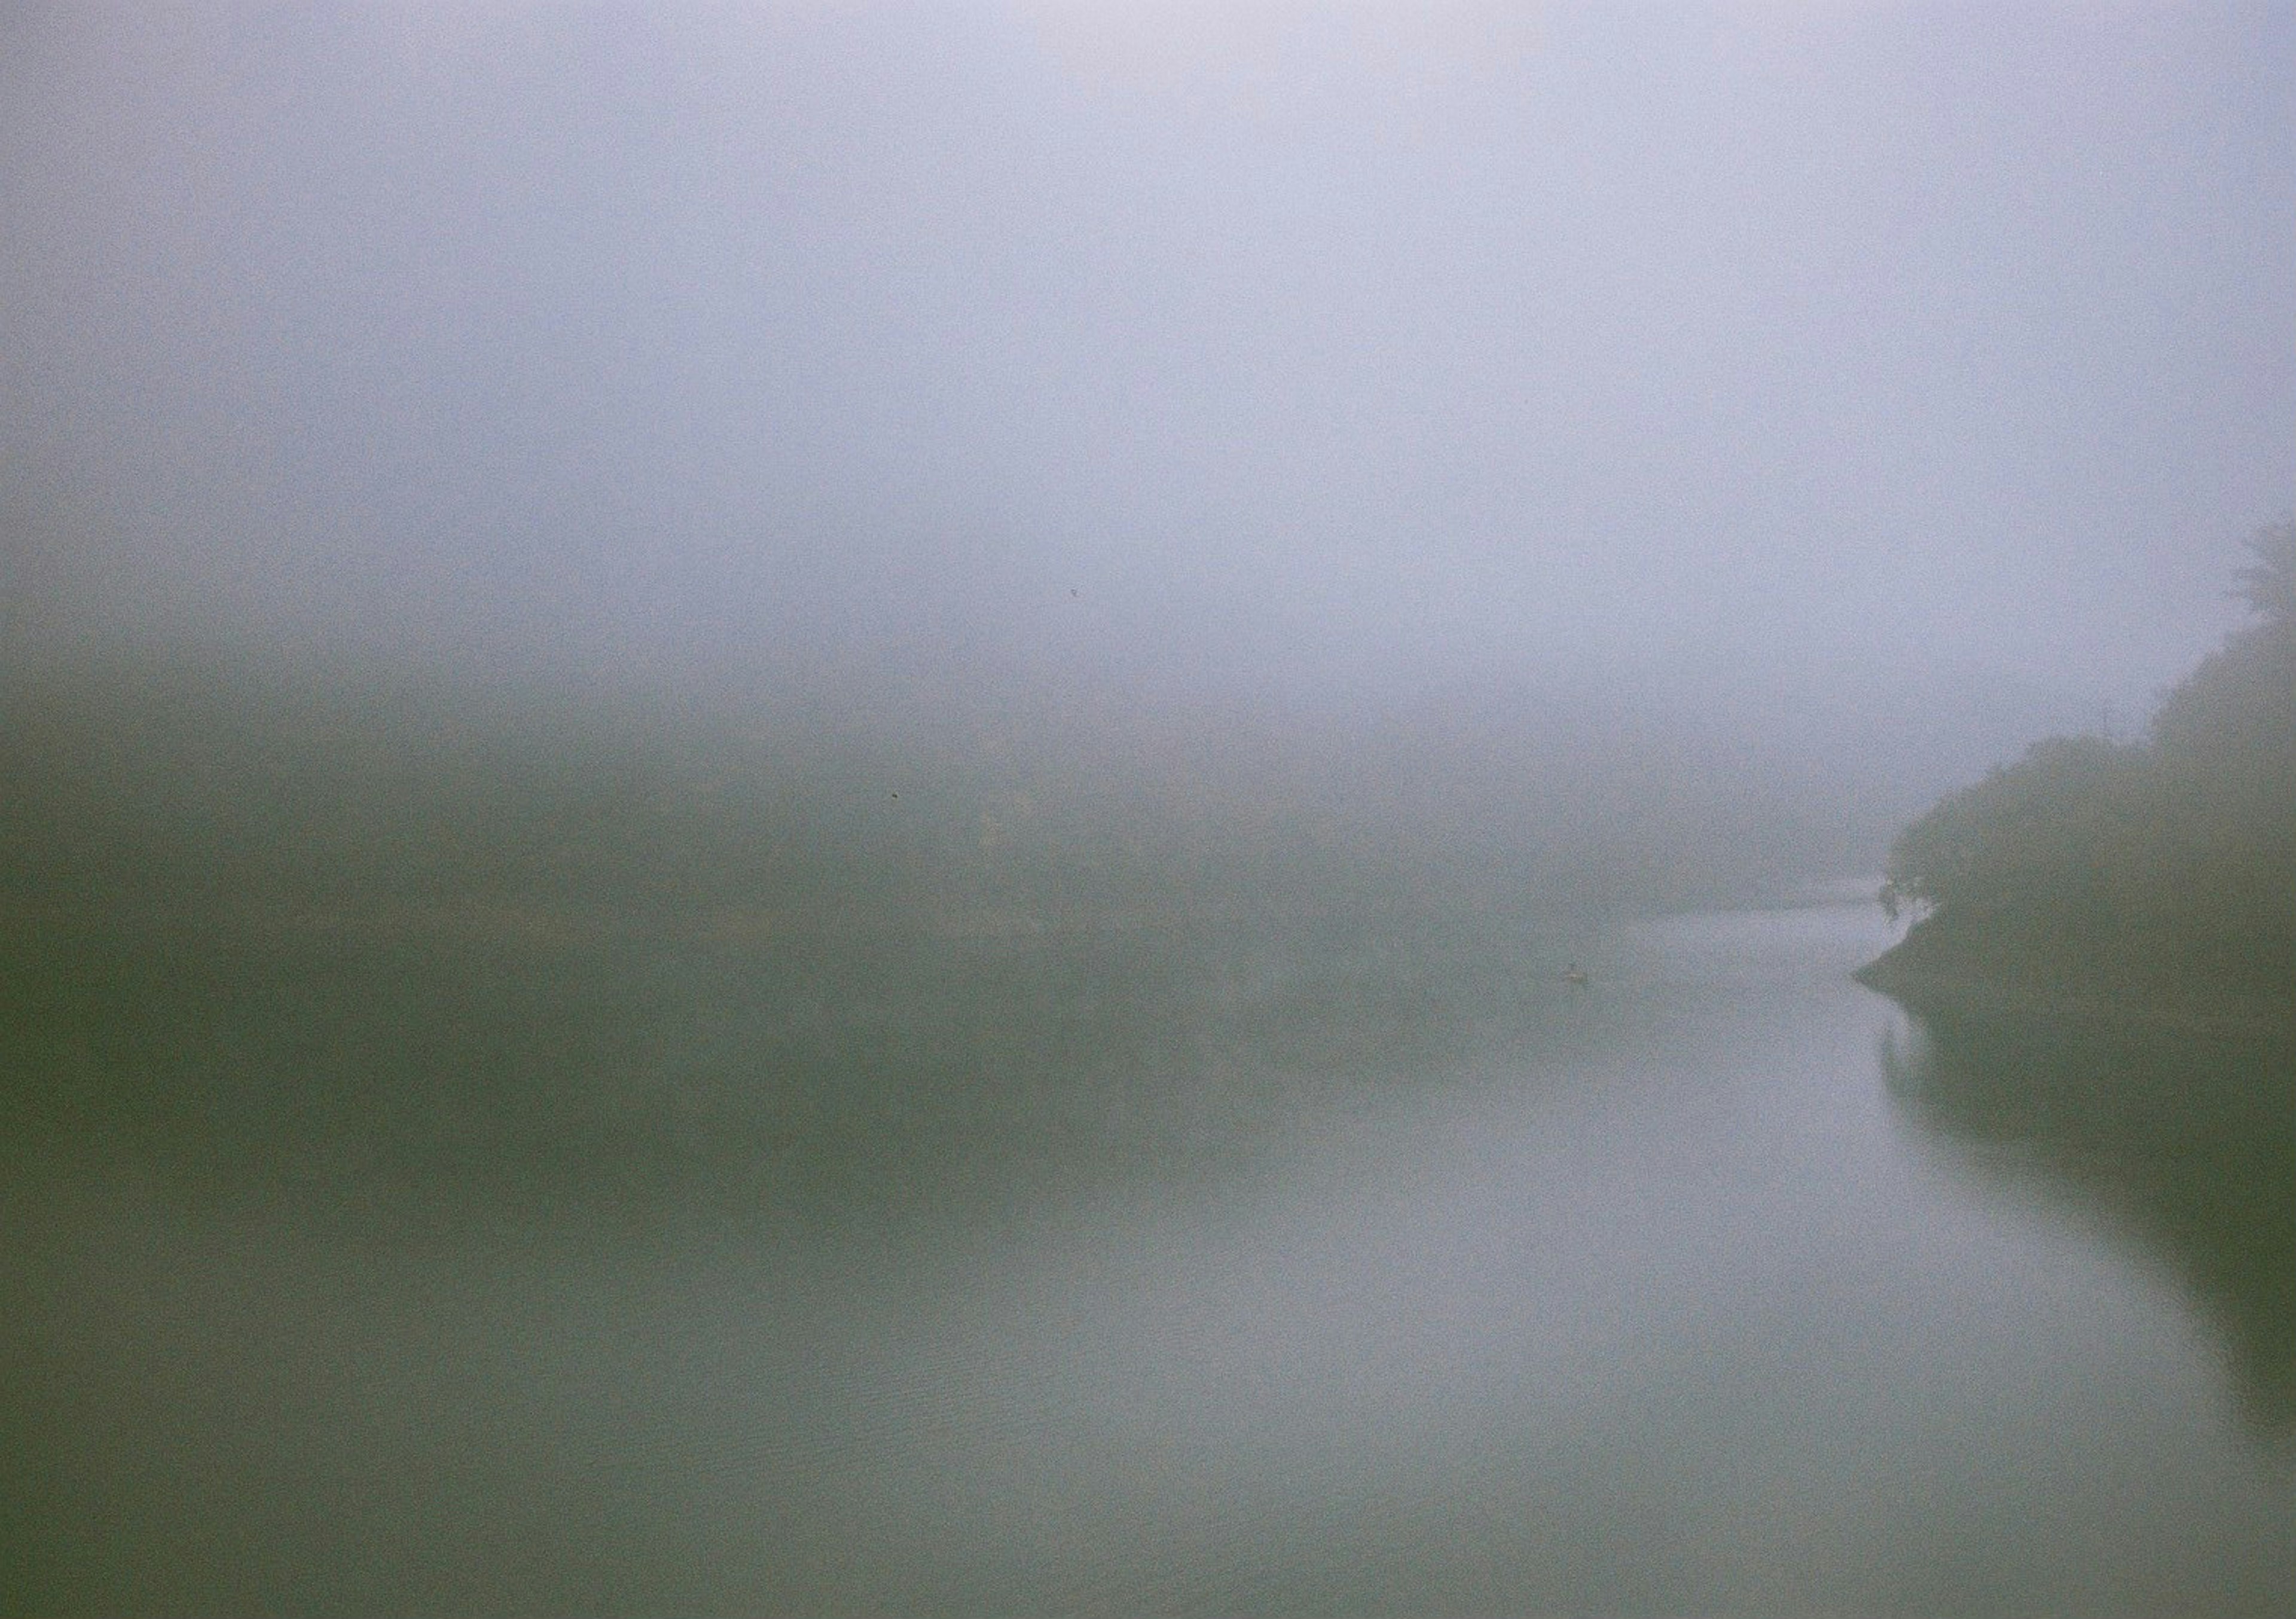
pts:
[1020, 806]
[1902, 377]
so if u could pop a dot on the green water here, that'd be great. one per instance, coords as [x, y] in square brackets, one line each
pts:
[1072, 1274]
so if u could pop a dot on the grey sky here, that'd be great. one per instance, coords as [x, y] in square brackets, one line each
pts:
[1294, 348]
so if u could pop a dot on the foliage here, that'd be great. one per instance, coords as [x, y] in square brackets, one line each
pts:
[2180, 850]
[2038, 834]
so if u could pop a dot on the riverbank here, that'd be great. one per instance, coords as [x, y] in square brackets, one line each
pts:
[1968, 967]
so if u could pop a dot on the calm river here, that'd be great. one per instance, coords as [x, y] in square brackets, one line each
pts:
[1737, 1289]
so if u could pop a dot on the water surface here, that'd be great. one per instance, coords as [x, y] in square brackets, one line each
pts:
[1721, 1284]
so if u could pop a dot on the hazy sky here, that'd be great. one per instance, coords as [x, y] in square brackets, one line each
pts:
[1344, 349]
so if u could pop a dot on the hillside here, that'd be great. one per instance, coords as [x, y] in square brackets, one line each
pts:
[2154, 877]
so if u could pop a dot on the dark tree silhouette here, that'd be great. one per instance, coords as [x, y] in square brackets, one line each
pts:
[2174, 859]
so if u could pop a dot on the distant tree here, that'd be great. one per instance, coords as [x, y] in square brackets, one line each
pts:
[2235, 714]
[2269, 583]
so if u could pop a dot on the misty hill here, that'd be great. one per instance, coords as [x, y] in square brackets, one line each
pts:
[196, 780]
[2163, 870]
[268, 930]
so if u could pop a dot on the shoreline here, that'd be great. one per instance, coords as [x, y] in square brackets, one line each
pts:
[1929, 971]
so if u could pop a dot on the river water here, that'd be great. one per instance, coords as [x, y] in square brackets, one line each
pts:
[1738, 1289]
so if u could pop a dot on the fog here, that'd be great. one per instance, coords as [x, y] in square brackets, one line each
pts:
[1911, 373]
[1034, 807]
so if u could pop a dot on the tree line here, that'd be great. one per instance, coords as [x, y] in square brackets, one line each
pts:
[2172, 857]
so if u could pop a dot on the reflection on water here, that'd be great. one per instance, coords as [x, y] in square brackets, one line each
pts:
[452, 1068]
[1357, 1269]
[2182, 1139]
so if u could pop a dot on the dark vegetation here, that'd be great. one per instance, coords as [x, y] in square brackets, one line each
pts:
[2159, 874]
